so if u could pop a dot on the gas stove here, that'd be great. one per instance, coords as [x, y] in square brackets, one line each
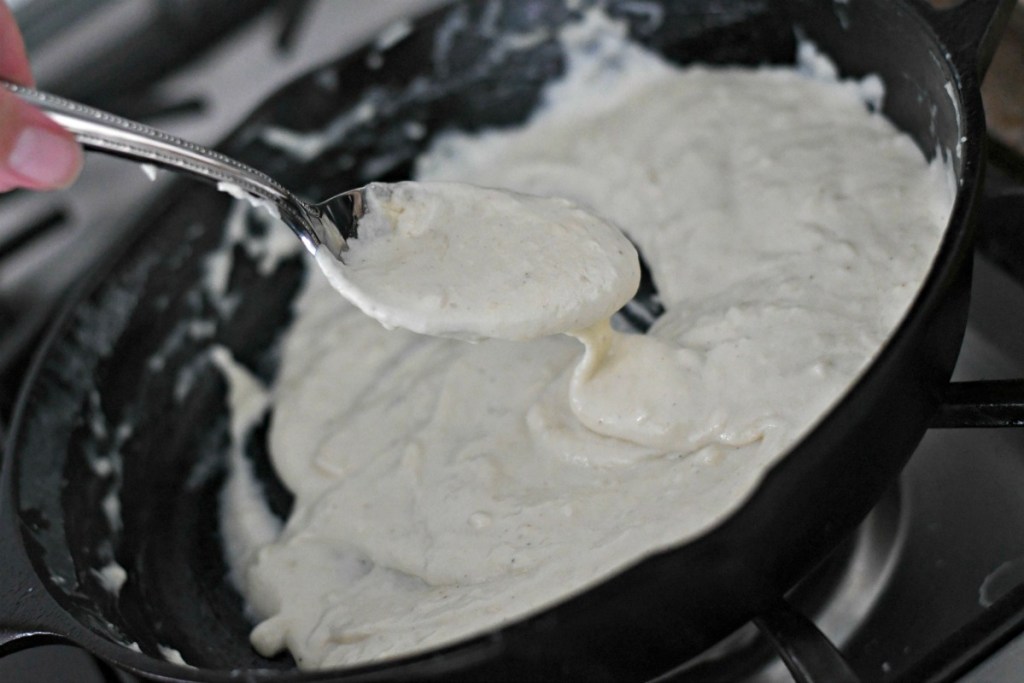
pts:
[931, 587]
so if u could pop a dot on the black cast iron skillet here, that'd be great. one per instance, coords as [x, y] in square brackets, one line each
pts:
[94, 390]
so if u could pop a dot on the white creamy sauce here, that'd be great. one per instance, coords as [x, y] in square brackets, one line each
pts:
[275, 244]
[172, 655]
[445, 488]
[457, 260]
[393, 34]
[112, 576]
[238, 192]
[306, 146]
[246, 520]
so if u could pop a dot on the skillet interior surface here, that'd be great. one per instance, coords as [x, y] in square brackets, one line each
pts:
[119, 446]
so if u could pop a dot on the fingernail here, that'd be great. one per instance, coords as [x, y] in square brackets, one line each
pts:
[44, 157]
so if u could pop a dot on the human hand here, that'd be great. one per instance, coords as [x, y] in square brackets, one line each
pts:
[35, 152]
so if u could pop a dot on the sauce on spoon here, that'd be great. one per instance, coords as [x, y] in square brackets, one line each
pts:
[455, 260]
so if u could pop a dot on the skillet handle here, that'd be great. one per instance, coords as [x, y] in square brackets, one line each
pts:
[28, 615]
[971, 30]
[17, 612]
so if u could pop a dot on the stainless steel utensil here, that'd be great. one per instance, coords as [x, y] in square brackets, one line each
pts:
[328, 223]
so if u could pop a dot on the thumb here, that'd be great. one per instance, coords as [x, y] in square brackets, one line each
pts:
[35, 152]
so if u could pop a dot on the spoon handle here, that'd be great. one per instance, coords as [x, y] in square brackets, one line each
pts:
[104, 132]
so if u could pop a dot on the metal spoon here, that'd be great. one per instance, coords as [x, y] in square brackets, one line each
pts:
[328, 223]
[332, 222]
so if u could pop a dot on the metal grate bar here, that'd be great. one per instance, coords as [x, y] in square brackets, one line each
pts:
[988, 403]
